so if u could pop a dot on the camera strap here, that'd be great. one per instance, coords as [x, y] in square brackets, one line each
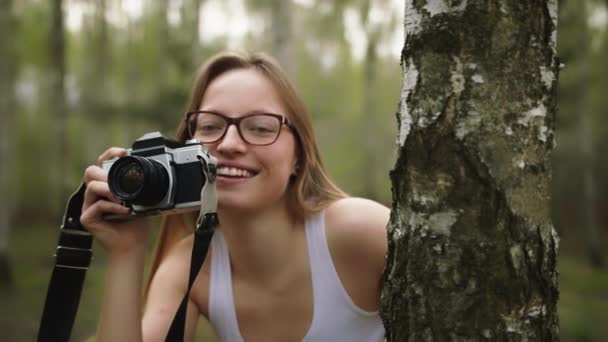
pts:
[202, 239]
[205, 226]
[72, 259]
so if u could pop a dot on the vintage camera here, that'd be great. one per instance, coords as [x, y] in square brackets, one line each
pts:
[161, 176]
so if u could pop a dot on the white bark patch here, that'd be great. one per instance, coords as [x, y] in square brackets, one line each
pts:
[552, 8]
[547, 77]
[512, 324]
[423, 199]
[486, 333]
[535, 311]
[410, 79]
[435, 7]
[438, 249]
[503, 8]
[457, 78]
[530, 116]
[398, 233]
[423, 121]
[542, 133]
[519, 162]
[516, 257]
[441, 223]
[536, 117]
[412, 19]
[477, 78]
[468, 124]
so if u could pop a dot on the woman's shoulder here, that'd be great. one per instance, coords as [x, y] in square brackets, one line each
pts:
[354, 214]
[356, 230]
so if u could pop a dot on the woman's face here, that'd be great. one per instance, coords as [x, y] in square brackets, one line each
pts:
[249, 177]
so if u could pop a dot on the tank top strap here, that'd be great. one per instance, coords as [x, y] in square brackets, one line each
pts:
[222, 313]
[326, 282]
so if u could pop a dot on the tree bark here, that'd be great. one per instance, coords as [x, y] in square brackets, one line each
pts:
[472, 250]
[8, 66]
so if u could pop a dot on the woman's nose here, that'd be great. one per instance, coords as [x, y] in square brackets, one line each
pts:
[232, 141]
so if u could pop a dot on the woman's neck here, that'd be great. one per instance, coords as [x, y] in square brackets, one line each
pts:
[261, 243]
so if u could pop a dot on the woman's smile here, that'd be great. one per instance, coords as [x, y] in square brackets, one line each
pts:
[231, 173]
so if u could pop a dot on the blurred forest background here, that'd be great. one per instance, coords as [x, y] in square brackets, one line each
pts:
[78, 76]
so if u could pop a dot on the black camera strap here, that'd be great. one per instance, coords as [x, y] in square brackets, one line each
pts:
[72, 259]
[205, 226]
[202, 239]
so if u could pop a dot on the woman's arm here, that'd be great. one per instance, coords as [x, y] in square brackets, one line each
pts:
[166, 292]
[120, 318]
[124, 241]
[357, 239]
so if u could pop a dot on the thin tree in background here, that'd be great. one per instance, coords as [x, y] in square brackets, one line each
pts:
[472, 250]
[281, 28]
[8, 66]
[162, 38]
[191, 10]
[95, 81]
[279, 31]
[371, 123]
[57, 109]
[586, 142]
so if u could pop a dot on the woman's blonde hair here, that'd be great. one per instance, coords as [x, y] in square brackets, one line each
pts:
[310, 191]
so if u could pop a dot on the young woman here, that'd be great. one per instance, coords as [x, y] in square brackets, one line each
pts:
[294, 258]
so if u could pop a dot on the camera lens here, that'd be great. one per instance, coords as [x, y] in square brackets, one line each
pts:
[138, 180]
[131, 178]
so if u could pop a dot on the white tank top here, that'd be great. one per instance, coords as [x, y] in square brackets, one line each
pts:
[335, 317]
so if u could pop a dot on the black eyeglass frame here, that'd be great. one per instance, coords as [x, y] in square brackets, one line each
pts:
[236, 122]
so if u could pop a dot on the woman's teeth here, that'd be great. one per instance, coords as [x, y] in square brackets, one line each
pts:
[233, 172]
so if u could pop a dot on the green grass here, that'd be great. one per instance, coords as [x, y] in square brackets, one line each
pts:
[583, 305]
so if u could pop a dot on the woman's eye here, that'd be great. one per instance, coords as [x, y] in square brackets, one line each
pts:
[209, 128]
[262, 129]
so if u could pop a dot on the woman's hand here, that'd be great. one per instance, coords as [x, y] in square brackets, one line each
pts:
[116, 237]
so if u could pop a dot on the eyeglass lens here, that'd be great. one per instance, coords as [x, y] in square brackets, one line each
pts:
[257, 129]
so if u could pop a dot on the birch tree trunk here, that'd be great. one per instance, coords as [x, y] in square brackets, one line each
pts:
[7, 142]
[472, 250]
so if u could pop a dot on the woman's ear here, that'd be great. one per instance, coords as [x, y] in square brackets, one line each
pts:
[295, 169]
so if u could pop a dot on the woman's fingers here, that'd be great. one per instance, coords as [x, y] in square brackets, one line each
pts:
[97, 190]
[95, 173]
[95, 212]
[98, 199]
[111, 153]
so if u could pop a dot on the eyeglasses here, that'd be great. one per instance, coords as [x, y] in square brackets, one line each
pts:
[258, 129]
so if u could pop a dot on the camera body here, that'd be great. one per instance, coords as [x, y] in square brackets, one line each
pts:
[161, 176]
